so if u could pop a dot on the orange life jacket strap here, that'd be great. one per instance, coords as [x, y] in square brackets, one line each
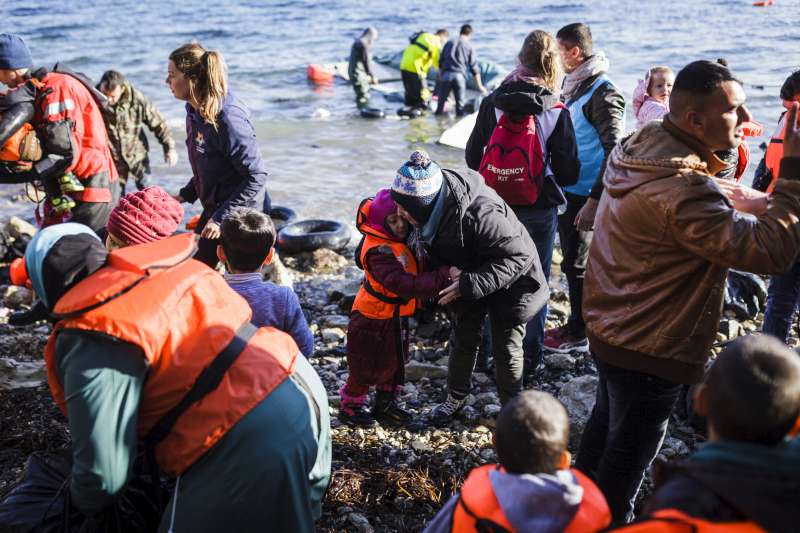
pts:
[482, 525]
[97, 195]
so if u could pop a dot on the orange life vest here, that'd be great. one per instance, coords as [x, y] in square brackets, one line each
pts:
[774, 154]
[478, 502]
[65, 97]
[674, 521]
[23, 145]
[181, 314]
[373, 300]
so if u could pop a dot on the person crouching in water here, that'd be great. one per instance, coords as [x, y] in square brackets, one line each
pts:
[532, 488]
[377, 335]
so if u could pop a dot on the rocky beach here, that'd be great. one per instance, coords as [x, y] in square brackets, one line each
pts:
[384, 478]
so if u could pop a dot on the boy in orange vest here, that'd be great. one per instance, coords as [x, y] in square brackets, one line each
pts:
[377, 335]
[746, 477]
[533, 488]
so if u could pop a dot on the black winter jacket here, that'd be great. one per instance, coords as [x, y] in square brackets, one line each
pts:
[481, 235]
[520, 98]
[606, 112]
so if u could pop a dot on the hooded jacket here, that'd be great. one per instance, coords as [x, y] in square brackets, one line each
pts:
[226, 161]
[734, 482]
[480, 234]
[656, 272]
[522, 98]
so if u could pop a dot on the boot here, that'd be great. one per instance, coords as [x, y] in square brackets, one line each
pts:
[387, 411]
[356, 416]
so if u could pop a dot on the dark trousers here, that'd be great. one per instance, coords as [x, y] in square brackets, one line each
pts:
[541, 225]
[624, 433]
[456, 82]
[413, 85]
[575, 248]
[468, 323]
[782, 300]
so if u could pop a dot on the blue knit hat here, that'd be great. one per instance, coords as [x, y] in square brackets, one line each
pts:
[417, 184]
[14, 53]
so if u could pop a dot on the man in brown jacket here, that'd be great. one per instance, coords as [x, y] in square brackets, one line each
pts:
[667, 234]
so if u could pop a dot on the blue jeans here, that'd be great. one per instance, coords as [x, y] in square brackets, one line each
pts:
[456, 82]
[541, 225]
[782, 300]
[624, 433]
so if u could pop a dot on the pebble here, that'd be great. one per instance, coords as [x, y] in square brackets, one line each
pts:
[15, 297]
[332, 335]
[360, 522]
[416, 370]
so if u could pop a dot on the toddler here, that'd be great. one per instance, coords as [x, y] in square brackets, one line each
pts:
[651, 96]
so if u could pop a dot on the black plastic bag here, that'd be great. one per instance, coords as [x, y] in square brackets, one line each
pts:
[41, 502]
[745, 294]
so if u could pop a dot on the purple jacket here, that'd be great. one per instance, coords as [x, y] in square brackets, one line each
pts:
[226, 162]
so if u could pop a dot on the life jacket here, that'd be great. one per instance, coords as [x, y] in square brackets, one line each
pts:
[478, 510]
[750, 129]
[674, 521]
[181, 314]
[64, 95]
[373, 300]
[23, 145]
[774, 154]
[514, 162]
[590, 150]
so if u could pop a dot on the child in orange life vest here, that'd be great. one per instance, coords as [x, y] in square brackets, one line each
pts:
[533, 488]
[745, 479]
[377, 335]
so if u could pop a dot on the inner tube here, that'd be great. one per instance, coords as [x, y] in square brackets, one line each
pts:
[310, 235]
[281, 216]
[372, 112]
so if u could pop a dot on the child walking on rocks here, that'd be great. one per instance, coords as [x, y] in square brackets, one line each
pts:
[651, 96]
[377, 336]
[533, 488]
[246, 242]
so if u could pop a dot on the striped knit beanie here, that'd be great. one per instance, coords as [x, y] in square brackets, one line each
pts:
[145, 216]
[417, 185]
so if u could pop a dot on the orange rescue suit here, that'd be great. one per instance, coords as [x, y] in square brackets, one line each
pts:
[181, 314]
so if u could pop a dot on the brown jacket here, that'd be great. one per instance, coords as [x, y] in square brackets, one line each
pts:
[664, 240]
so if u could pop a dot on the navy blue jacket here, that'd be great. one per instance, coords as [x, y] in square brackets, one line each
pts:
[226, 162]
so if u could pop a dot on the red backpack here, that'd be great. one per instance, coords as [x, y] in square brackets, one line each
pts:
[514, 163]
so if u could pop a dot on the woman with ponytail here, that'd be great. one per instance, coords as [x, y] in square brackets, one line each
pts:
[226, 162]
[532, 88]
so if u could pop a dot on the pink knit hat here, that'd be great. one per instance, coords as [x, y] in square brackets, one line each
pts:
[382, 206]
[145, 216]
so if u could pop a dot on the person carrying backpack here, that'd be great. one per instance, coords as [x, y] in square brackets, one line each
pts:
[523, 144]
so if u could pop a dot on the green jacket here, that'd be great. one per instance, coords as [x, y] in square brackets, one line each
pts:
[127, 139]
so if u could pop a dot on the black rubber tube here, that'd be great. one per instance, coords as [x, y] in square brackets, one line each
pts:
[310, 235]
[282, 216]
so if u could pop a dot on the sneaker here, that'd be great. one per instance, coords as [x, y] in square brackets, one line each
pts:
[445, 412]
[559, 340]
[62, 204]
[357, 416]
[387, 410]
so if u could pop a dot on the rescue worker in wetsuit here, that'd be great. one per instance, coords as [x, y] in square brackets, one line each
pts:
[420, 55]
[64, 108]
[359, 69]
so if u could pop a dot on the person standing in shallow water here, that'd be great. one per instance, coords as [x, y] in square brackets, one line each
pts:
[227, 167]
[359, 69]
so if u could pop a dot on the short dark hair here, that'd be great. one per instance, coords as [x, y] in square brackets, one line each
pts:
[577, 34]
[442, 31]
[247, 236]
[753, 391]
[702, 77]
[466, 29]
[112, 79]
[532, 433]
[791, 87]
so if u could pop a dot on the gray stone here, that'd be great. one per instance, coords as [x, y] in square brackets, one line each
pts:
[481, 378]
[15, 297]
[491, 410]
[560, 361]
[488, 455]
[677, 446]
[21, 374]
[578, 396]
[416, 370]
[469, 415]
[421, 446]
[360, 522]
[332, 334]
[335, 321]
[277, 273]
[729, 328]
[17, 227]
[486, 398]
